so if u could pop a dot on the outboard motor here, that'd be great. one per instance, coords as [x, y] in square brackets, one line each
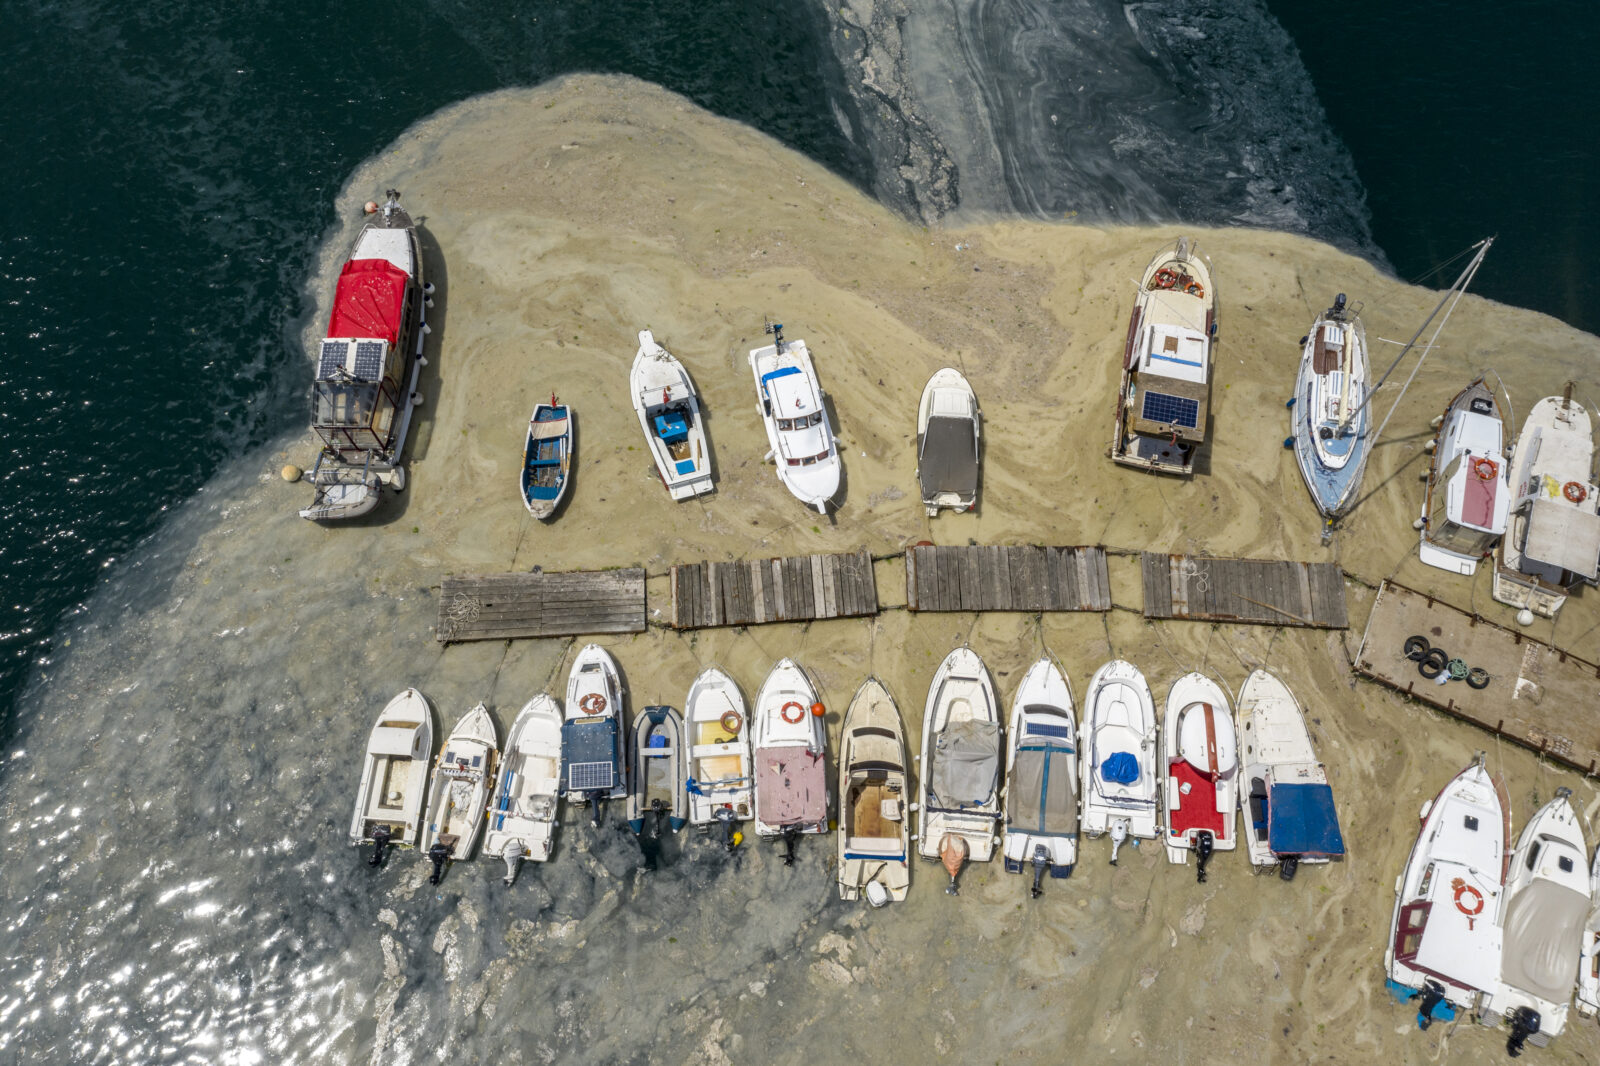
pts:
[1338, 305]
[1119, 833]
[776, 330]
[1432, 996]
[381, 834]
[512, 854]
[660, 808]
[1041, 863]
[439, 854]
[791, 834]
[724, 814]
[1525, 1022]
[596, 799]
[1287, 867]
[1203, 845]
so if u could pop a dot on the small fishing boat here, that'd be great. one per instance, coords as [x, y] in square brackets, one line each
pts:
[1041, 828]
[1118, 772]
[961, 767]
[523, 806]
[1165, 396]
[1444, 939]
[659, 771]
[368, 367]
[1468, 502]
[1589, 958]
[547, 458]
[947, 443]
[1542, 923]
[1553, 539]
[719, 787]
[1330, 417]
[394, 776]
[1202, 779]
[1288, 805]
[790, 742]
[591, 736]
[669, 413]
[460, 791]
[790, 401]
[874, 822]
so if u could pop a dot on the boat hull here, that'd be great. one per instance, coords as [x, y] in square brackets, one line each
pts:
[1330, 443]
[525, 802]
[718, 726]
[1041, 804]
[790, 749]
[547, 459]
[962, 760]
[1284, 794]
[394, 774]
[793, 409]
[668, 407]
[593, 749]
[874, 821]
[949, 431]
[1201, 791]
[659, 770]
[460, 789]
[1120, 720]
[1466, 507]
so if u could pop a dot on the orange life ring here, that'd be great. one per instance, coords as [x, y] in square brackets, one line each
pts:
[1463, 889]
[732, 722]
[1194, 288]
[799, 713]
[1485, 468]
[1165, 278]
[593, 703]
[1574, 492]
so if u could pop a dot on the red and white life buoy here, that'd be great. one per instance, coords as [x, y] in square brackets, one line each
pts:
[1472, 907]
[593, 703]
[799, 712]
[1574, 492]
[1485, 468]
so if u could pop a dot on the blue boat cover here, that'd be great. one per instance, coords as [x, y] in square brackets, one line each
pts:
[782, 372]
[1122, 768]
[1301, 820]
[685, 466]
[671, 427]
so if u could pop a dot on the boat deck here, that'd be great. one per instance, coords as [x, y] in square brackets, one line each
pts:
[502, 606]
[796, 589]
[1256, 591]
[1010, 578]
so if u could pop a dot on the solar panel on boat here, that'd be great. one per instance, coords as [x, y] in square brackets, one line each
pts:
[369, 360]
[332, 359]
[1173, 410]
[590, 776]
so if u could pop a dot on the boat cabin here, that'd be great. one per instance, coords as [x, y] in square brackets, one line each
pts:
[796, 410]
[1477, 503]
[1172, 361]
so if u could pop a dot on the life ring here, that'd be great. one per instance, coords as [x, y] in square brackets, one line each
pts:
[1463, 889]
[732, 722]
[1574, 492]
[1485, 468]
[1194, 288]
[1165, 278]
[799, 713]
[593, 703]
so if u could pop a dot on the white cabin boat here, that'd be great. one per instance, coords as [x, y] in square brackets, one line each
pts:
[394, 776]
[1041, 826]
[1202, 771]
[789, 399]
[592, 755]
[1330, 418]
[962, 780]
[1589, 957]
[1118, 770]
[668, 407]
[523, 806]
[791, 745]
[719, 785]
[1467, 505]
[660, 767]
[1289, 817]
[948, 428]
[460, 791]
[1553, 537]
[874, 793]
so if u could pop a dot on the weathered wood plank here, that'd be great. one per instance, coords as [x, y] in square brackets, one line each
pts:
[1255, 591]
[500, 606]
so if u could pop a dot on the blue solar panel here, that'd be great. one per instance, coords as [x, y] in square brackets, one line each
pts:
[590, 776]
[1171, 410]
[369, 360]
[332, 359]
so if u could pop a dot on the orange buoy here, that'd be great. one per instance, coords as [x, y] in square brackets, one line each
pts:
[818, 709]
[370, 207]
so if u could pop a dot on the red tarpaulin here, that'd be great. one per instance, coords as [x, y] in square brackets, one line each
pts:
[1198, 808]
[1477, 497]
[368, 300]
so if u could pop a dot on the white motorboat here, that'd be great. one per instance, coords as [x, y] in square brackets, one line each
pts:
[523, 806]
[1444, 938]
[1589, 958]
[1202, 771]
[961, 765]
[460, 791]
[791, 745]
[547, 458]
[660, 766]
[1468, 502]
[948, 428]
[1118, 769]
[593, 769]
[874, 817]
[789, 399]
[1165, 395]
[394, 776]
[719, 786]
[1041, 827]
[1288, 805]
[1553, 537]
[1330, 418]
[368, 367]
[1542, 926]
[669, 413]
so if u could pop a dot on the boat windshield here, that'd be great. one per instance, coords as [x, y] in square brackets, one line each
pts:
[803, 422]
[1463, 540]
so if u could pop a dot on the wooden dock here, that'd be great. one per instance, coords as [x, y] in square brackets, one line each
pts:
[800, 588]
[1537, 696]
[1256, 591]
[1019, 578]
[501, 606]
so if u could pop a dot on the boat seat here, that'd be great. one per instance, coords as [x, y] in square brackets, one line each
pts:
[544, 462]
[889, 809]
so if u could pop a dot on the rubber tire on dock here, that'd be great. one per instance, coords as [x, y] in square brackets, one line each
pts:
[1432, 664]
[1478, 678]
[1416, 648]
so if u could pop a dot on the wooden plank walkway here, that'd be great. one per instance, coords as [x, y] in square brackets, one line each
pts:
[501, 606]
[1537, 696]
[1011, 578]
[800, 588]
[1257, 591]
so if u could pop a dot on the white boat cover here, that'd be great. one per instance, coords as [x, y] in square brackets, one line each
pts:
[1543, 937]
[392, 740]
[966, 764]
[1043, 797]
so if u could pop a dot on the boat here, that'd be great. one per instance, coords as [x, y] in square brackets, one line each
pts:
[591, 736]
[1041, 826]
[1330, 417]
[1589, 957]
[1164, 399]
[368, 366]
[719, 785]
[1288, 806]
[1468, 503]
[874, 791]
[1444, 938]
[961, 765]
[394, 776]
[947, 443]
[547, 458]
[1553, 537]
[669, 413]
[1118, 770]
[524, 803]
[460, 791]
[1202, 771]
[790, 401]
[659, 770]
[1542, 924]
[790, 742]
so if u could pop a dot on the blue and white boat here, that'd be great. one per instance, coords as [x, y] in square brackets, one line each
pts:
[1288, 805]
[790, 402]
[1041, 826]
[1330, 417]
[592, 767]
[547, 458]
[668, 407]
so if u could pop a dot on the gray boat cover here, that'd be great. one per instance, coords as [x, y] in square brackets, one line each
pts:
[966, 765]
[1043, 798]
[1543, 935]
[949, 461]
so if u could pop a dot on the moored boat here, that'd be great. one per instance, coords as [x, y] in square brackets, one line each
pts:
[948, 429]
[1589, 957]
[1041, 826]
[961, 765]
[719, 786]
[789, 399]
[547, 458]
[394, 776]
[874, 820]
[1467, 504]
[1118, 767]
[1202, 771]
[1289, 816]
[659, 768]
[592, 764]
[668, 407]
[790, 741]
[460, 791]
[1330, 417]
[524, 803]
